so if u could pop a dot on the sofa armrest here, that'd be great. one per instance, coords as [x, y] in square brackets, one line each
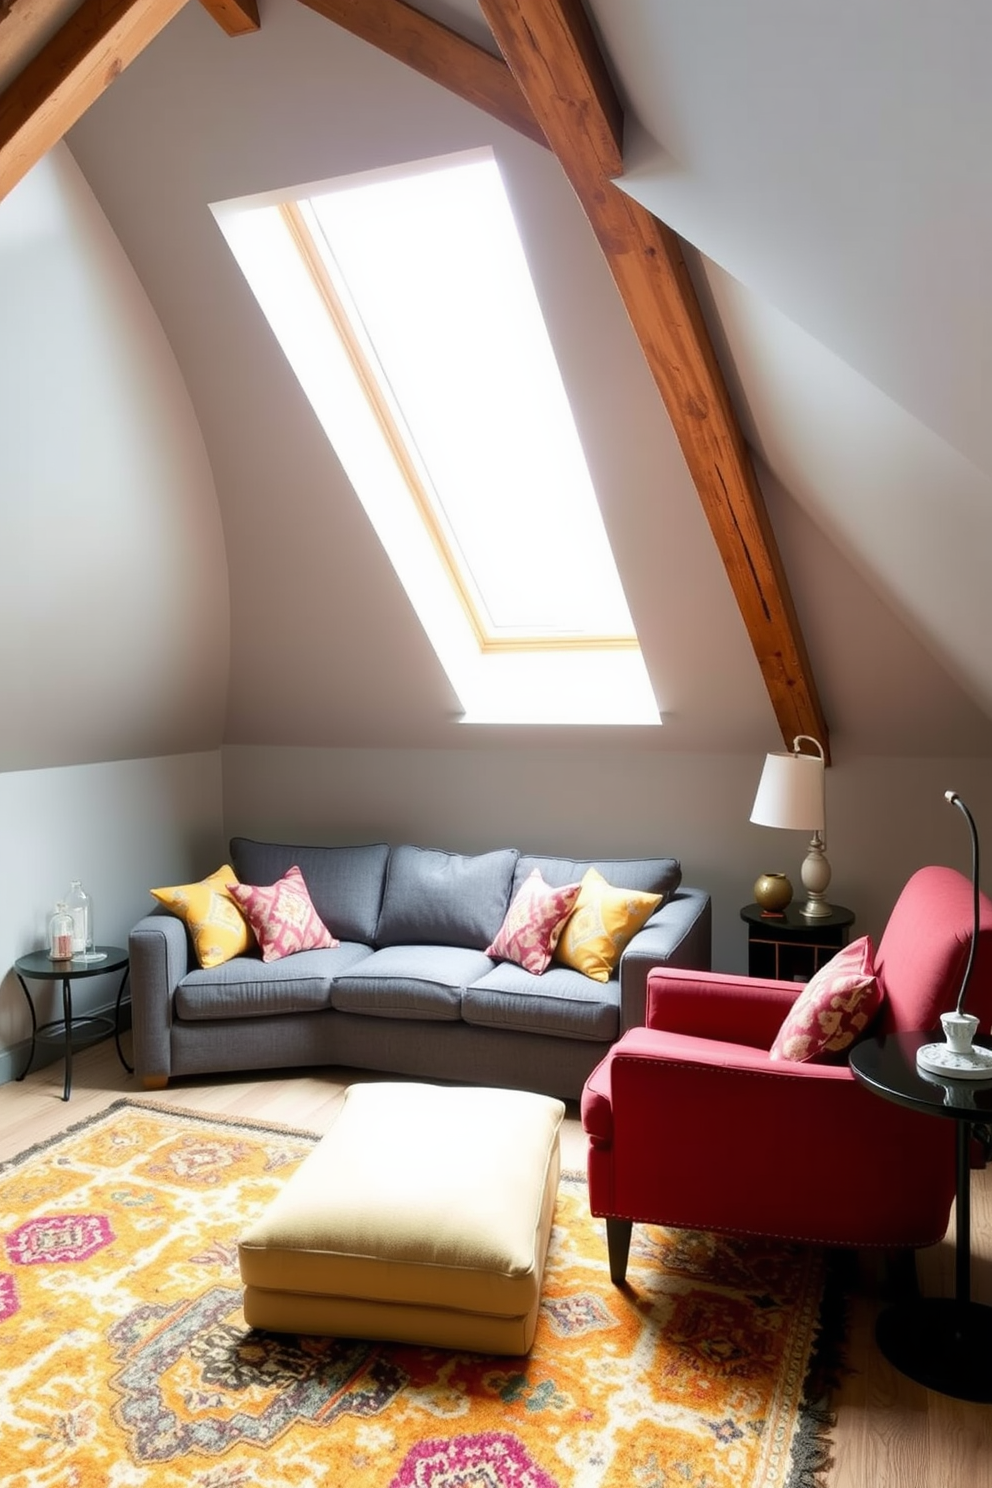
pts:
[678, 934]
[159, 952]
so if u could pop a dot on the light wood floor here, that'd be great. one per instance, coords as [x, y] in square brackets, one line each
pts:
[890, 1432]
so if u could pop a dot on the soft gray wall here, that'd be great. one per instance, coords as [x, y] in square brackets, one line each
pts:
[114, 608]
[121, 828]
[885, 817]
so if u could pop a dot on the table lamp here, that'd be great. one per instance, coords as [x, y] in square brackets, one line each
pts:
[791, 794]
[957, 1058]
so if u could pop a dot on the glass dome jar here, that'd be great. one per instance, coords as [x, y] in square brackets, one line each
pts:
[60, 930]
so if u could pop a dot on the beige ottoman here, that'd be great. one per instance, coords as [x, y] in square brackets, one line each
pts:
[423, 1216]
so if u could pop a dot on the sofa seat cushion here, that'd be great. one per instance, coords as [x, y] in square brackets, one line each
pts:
[249, 987]
[560, 1002]
[444, 898]
[344, 883]
[409, 981]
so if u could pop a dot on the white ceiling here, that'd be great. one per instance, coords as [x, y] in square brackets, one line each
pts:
[830, 167]
[834, 160]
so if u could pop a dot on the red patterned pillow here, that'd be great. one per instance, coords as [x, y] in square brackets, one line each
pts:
[533, 923]
[282, 916]
[833, 1008]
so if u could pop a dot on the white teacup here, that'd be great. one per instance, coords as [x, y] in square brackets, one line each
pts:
[959, 1031]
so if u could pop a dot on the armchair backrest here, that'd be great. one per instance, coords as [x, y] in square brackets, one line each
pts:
[921, 958]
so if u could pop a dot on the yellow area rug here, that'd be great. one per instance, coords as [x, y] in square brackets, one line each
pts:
[125, 1360]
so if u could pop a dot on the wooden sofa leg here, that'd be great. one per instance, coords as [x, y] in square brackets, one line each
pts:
[618, 1245]
[154, 1082]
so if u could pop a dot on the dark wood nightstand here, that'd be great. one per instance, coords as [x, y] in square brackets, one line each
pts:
[787, 946]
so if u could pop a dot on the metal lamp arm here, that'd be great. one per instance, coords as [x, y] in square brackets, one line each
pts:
[955, 800]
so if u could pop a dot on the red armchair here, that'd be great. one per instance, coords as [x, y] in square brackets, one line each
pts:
[692, 1125]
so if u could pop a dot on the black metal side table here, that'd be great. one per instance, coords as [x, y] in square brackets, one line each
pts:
[944, 1343]
[39, 966]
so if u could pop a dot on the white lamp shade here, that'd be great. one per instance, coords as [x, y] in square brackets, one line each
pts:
[791, 793]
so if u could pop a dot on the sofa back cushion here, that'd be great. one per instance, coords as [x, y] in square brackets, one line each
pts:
[649, 875]
[345, 883]
[444, 898]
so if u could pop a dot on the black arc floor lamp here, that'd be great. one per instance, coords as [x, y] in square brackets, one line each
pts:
[957, 1058]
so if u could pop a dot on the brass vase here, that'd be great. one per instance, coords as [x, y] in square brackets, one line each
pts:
[772, 892]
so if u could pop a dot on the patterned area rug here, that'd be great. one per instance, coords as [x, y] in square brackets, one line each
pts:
[125, 1360]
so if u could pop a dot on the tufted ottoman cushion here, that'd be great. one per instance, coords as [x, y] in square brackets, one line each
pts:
[423, 1216]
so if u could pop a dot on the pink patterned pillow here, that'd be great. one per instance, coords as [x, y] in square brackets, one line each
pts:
[282, 916]
[833, 1008]
[533, 923]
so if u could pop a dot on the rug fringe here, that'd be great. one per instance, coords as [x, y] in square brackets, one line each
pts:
[159, 1108]
[812, 1447]
[64, 1131]
[190, 1113]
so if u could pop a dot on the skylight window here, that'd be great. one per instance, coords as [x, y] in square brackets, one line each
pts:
[404, 303]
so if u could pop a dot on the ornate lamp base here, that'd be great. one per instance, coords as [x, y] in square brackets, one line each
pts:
[957, 1059]
[941, 1059]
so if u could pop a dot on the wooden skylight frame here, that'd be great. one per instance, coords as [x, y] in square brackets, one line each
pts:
[393, 434]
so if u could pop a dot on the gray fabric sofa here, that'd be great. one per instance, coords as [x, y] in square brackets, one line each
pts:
[409, 990]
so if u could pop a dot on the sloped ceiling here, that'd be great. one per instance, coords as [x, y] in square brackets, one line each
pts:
[828, 169]
[832, 167]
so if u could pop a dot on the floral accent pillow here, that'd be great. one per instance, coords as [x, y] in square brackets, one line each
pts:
[603, 921]
[283, 917]
[834, 1007]
[217, 928]
[533, 923]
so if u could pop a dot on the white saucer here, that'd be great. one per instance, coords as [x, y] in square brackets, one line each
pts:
[940, 1059]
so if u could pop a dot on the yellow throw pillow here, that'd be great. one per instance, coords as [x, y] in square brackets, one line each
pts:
[601, 924]
[218, 928]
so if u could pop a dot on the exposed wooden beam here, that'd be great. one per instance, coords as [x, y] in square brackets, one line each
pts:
[546, 45]
[236, 17]
[438, 53]
[566, 62]
[69, 73]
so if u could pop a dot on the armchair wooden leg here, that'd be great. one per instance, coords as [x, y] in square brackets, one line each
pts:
[154, 1082]
[618, 1245]
[901, 1280]
[889, 1274]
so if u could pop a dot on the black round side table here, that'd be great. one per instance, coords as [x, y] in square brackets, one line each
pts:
[788, 946]
[944, 1343]
[39, 966]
